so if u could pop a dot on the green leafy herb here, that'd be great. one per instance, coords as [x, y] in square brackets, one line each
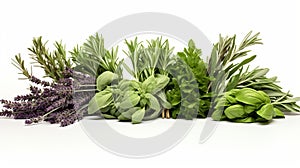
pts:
[53, 63]
[93, 59]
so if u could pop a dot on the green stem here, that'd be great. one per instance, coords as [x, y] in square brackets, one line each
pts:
[51, 111]
[83, 107]
[87, 85]
[87, 90]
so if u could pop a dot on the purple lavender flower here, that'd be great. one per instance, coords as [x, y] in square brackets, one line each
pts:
[52, 102]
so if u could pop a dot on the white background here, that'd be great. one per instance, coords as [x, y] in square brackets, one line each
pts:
[232, 145]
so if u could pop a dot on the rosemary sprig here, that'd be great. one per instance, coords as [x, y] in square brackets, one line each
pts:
[225, 52]
[53, 63]
[18, 62]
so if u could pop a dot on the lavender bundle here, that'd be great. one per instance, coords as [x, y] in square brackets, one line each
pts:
[62, 102]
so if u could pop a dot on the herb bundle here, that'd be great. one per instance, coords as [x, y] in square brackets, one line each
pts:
[164, 84]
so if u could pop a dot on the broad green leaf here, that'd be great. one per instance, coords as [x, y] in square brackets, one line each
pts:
[149, 84]
[93, 106]
[104, 100]
[151, 114]
[138, 116]
[231, 99]
[153, 102]
[249, 109]
[163, 100]
[235, 111]
[126, 116]
[266, 112]
[135, 84]
[107, 116]
[130, 100]
[105, 79]
[161, 82]
[245, 120]
[266, 97]
[260, 119]
[278, 113]
[218, 115]
[250, 96]
[124, 84]
[123, 118]
[99, 101]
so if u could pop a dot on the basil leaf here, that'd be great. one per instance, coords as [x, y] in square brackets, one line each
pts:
[249, 109]
[245, 120]
[250, 97]
[235, 111]
[266, 112]
[278, 113]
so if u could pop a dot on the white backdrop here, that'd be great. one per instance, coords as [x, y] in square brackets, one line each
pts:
[232, 145]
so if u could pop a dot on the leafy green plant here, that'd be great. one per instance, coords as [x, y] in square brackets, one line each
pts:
[147, 98]
[183, 91]
[257, 79]
[129, 100]
[228, 75]
[246, 105]
[192, 57]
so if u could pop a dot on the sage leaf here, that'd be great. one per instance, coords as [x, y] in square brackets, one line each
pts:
[153, 102]
[130, 100]
[138, 116]
[161, 82]
[149, 84]
[105, 79]
[107, 116]
[163, 100]
[99, 101]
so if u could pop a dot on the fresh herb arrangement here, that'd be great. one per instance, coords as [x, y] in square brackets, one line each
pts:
[164, 84]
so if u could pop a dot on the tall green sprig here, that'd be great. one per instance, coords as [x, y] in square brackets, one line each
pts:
[93, 59]
[221, 63]
[53, 63]
[147, 61]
